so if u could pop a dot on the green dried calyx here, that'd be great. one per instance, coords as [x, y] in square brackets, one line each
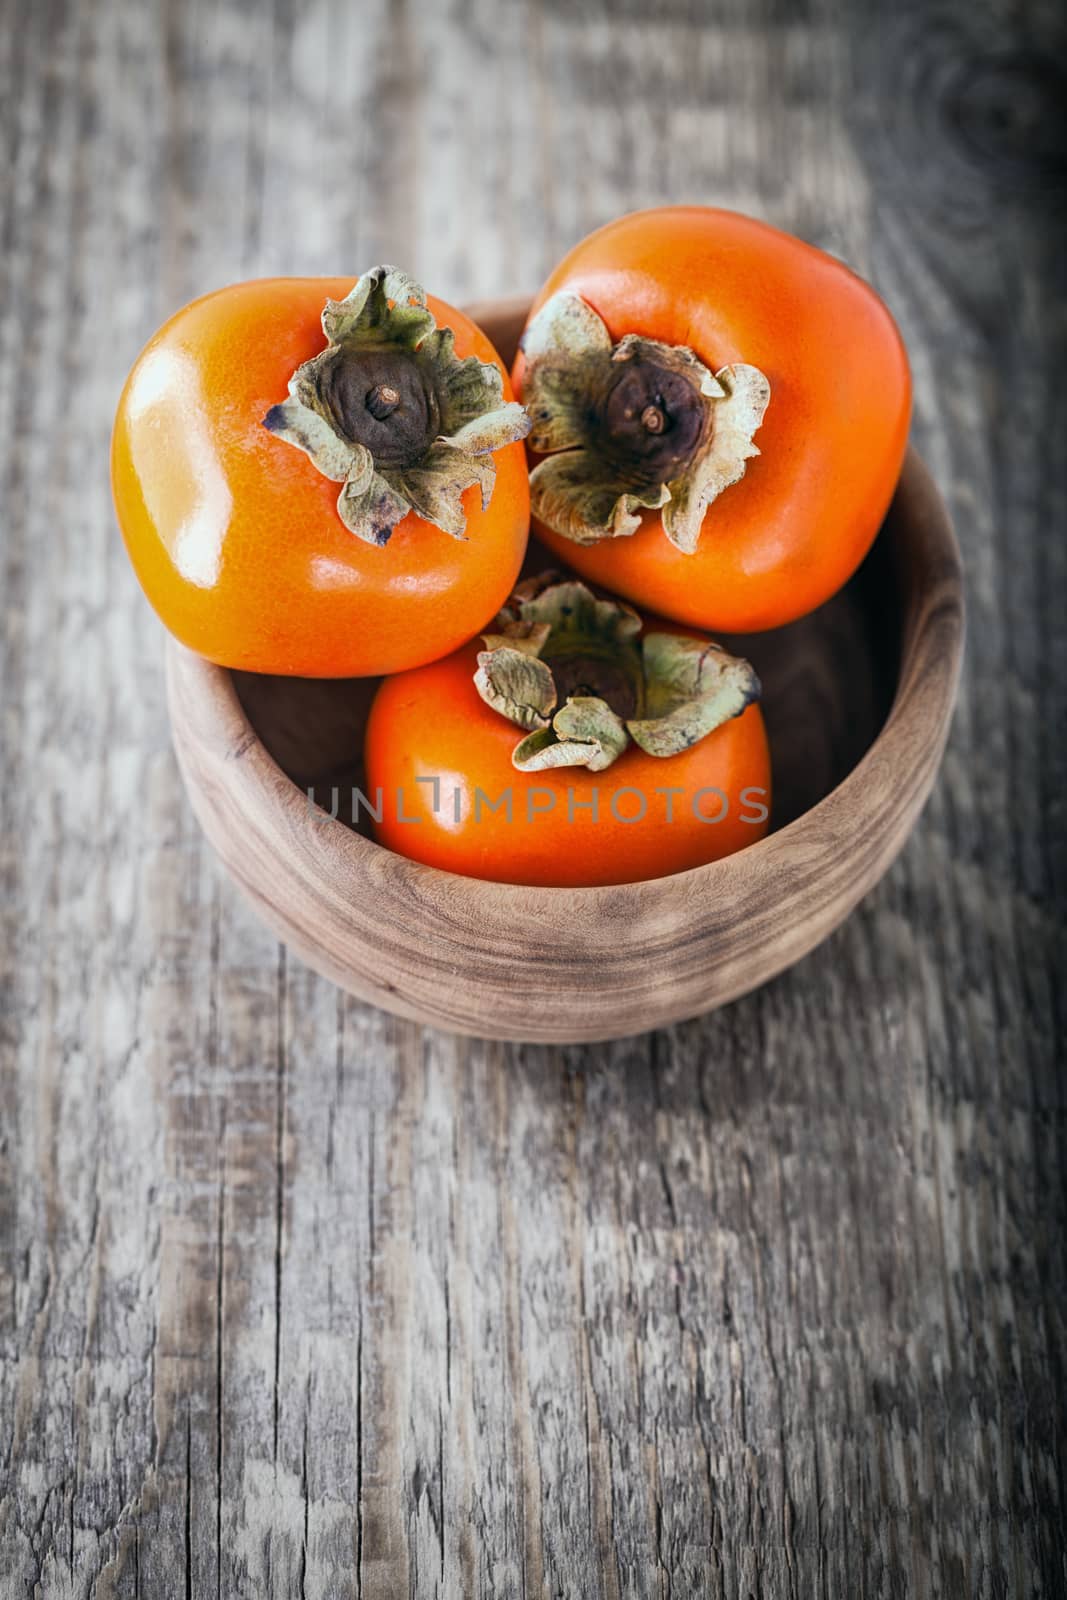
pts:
[628, 426]
[390, 412]
[578, 676]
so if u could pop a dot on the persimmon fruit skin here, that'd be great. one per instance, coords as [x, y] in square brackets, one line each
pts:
[787, 535]
[431, 723]
[235, 535]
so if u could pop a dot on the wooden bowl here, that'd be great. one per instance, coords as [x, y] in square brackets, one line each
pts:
[857, 698]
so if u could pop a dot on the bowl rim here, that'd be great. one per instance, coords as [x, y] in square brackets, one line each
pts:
[720, 920]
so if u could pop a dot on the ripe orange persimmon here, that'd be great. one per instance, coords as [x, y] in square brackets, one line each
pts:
[327, 494]
[720, 413]
[447, 784]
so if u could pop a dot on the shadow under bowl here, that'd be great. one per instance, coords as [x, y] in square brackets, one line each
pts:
[857, 698]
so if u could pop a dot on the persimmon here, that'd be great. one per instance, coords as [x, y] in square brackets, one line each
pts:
[327, 493]
[720, 413]
[573, 746]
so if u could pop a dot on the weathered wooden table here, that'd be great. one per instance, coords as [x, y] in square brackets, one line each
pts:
[298, 1299]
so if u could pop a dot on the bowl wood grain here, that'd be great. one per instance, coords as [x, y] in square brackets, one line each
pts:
[857, 697]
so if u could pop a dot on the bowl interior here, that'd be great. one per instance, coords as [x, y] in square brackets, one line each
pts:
[828, 680]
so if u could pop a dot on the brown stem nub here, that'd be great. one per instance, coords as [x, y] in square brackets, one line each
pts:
[382, 401]
[595, 672]
[650, 422]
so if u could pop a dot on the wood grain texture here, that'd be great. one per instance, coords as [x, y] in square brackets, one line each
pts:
[299, 1299]
[559, 966]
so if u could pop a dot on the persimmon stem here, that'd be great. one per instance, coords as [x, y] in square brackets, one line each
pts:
[390, 412]
[649, 422]
[577, 674]
[630, 426]
[385, 399]
[382, 401]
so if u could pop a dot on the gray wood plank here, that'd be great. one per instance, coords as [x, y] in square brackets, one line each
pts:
[298, 1299]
